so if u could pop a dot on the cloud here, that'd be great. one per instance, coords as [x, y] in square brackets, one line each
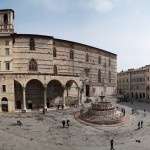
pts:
[53, 5]
[101, 5]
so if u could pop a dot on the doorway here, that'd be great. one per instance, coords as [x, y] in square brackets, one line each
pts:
[4, 104]
[87, 90]
[18, 104]
[29, 104]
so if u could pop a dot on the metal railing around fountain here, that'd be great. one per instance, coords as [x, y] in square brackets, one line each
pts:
[104, 119]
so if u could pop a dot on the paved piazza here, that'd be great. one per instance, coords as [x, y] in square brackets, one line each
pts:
[45, 131]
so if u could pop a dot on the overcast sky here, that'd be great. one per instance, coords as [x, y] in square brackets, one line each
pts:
[119, 26]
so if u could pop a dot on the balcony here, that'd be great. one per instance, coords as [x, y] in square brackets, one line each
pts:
[6, 28]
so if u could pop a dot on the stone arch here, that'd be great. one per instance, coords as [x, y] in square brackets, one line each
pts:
[34, 94]
[4, 104]
[18, 94]
[54, 93]
[71, 94]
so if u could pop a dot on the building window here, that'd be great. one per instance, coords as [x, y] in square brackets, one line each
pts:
[32, 44]
[54, 52]
[99, 59]
[87, 73]
[109, 77]
[7, 65]
[7, 43]
[99, 76]
[32, 65]
[109, 62]
[4, 88]
[55, 70]
[147, 78]
[5, 19]
[7, 51]
[87, 57]
[71, 54]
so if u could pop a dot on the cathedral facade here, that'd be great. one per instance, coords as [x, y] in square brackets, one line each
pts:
[40, 71]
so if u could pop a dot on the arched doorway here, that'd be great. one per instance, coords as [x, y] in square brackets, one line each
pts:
[18, 95]
[54, 93]
[34, 94]
[71, 93]
[4, 103]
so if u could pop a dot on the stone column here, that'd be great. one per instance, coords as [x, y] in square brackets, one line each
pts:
[63, 100]
[24, 99]
[45, 96]
[79, 100]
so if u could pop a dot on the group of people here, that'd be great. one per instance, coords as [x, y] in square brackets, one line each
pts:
[64, 123]
[134, 110]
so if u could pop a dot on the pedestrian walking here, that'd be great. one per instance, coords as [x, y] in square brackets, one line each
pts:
[58, 106]
[63, 123]
[68, 122]
[112, 144]
[141, 123]
[144, 113]
[44, 111]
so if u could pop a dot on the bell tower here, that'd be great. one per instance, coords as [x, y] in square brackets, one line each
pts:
[6, 22]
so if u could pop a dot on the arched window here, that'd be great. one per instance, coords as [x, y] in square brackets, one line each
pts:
[99, 59]
[109, 77]
[99, 76]
[32, 44]
[71, 54]
[54, 52]
[87, 57]
[32, 65]
[109, 62]
[55, 70]
[5, 19]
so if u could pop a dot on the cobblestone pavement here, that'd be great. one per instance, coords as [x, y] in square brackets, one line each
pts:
[45, 131]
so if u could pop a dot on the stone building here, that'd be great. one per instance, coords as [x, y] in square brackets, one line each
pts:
[38, 71]
[135, 83]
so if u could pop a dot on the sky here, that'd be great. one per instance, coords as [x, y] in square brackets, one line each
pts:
[118, 26]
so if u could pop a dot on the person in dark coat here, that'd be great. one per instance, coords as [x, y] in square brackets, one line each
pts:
[44, 110]
[67, 122]
[112, 144]
[141, 123]
[63, 123]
